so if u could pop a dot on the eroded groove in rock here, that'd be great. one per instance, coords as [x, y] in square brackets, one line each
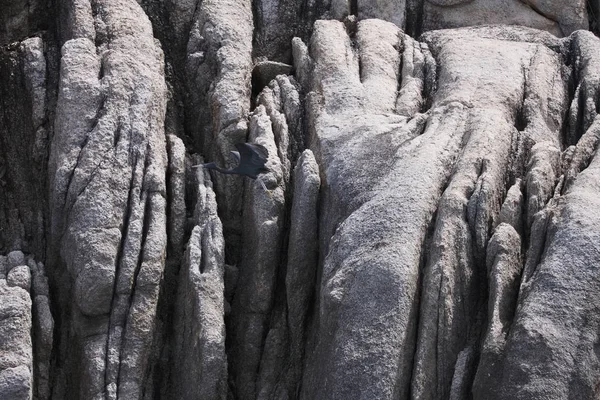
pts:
[276, 23]
[454, 279]
[262, 241]
[26, 328]
[556, 321]
[365, 332]
[392, 10]
[556, 359]
[283, 354]
[504, 267]
[24, 129]
[436, 242]
[553, 17]
[218, 69]
[107, 175]
[198, 353]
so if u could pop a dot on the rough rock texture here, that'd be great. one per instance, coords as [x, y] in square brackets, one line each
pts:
[24, 128]
[107, 200]
[559, 18]
[428, 227]
[26, 329]
[219, 70]
[16, 356]
[201, 368]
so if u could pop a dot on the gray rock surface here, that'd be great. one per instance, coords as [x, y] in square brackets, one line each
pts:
[25, 331]
[218, 77]
[108, 199]
[16, 356]
[428, 228]
[201, 366]
[25, 80]
[556, 17]
[43, 330]
[20, 277]
[261, 257]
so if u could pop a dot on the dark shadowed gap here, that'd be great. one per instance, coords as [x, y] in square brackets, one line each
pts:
[353, 8]
[520, 118]
[593, 15]
[430, 81]
[256, 32]
[401, 51]
[414, 18]
[573, 82]
[425, 251]
[124, 237]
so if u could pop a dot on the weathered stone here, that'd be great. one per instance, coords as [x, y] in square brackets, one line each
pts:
[16, 358]
[218, 75]
[15, 383]
[200, 364]
[504, 266]
[3, 267]
[25, 84]
[553, 16]
[176, 193]
[283, 355]
[549, 351]
[512, 208]
[387, 10]
[108, 198]
[14, 259]
[262, 241]
[302, 259]
[265, 71]
[463, 371]
[20, 277]
[437, 241]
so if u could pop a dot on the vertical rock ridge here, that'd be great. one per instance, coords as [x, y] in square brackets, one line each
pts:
[26, 328]
[118, 178]
[437, 240]
[262, 240]
[218, 71]
[198, 352]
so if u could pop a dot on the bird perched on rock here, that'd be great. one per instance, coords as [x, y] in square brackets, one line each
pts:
[251, 161]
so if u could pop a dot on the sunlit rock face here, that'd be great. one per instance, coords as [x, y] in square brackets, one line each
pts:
[427, 228]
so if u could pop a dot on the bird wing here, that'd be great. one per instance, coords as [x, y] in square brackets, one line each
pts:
[236, 155]
[251, 153]
[259, 149]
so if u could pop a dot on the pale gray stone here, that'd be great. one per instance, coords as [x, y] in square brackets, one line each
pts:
[504, 266]
[556, 16]
[107, 173]
[262, 241]
[200, 364]
[20, 277]
[16, 356]
[512, 207]
[15, 383]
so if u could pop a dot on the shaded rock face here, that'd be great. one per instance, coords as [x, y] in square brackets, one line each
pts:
[27, 328]
[558, 18]
[427, 228]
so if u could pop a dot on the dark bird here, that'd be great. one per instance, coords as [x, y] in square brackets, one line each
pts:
[251, 161]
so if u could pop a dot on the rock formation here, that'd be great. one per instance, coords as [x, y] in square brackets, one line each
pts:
[428, 227]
